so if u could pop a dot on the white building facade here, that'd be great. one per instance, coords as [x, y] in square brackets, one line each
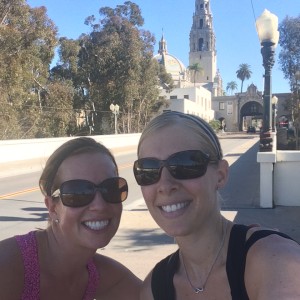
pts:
[190, 100]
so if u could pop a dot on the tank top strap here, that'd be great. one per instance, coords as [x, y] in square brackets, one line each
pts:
[29, 252]
[162, 277]
[94, 277]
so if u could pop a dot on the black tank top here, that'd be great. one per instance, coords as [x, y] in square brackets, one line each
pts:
[163, 273]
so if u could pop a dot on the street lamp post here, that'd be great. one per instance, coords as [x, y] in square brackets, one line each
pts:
[274, 110]
[267, 29]
[115, 111]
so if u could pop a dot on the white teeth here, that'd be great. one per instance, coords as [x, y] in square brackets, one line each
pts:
[96, 225]
[173, 207]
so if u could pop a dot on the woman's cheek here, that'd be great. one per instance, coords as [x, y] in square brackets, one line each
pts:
[148, 193]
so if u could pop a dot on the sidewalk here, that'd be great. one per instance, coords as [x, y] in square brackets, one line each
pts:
[139, 243]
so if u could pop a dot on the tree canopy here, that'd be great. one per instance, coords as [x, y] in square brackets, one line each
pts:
[195, 68]
[28, 40]
[243, 73]
[231, 86]
[113, 63]
[289, 60]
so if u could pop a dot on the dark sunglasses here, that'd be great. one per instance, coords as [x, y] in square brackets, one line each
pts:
[79, 192]
[188, 164]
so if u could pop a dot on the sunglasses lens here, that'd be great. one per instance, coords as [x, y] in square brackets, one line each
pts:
[188, 164]
[114, 190]
[77, 193]
[146, 171]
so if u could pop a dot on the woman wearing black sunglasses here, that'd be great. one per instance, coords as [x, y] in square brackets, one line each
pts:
[84, 196]
[180, 170]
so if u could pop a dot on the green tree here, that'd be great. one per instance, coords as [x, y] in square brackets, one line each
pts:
[289, 60]
[166, 80]
[195, 68]
[231, 86]
[243, 73]
[28, 40]
[113, 61]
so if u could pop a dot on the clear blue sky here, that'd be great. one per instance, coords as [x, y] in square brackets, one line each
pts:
[234, 25]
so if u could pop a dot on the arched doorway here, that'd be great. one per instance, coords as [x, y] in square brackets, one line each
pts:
[251, 114]
[222, 124]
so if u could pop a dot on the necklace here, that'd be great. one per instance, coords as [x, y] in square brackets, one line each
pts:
[197, 290]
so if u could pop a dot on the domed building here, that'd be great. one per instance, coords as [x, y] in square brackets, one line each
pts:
[186, 96]
[173, 65]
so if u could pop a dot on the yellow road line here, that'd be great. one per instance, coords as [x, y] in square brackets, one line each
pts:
[10, 195]
[19, 193]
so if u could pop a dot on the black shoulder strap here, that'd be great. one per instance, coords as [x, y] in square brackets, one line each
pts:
[236, 260]
[162, 278]
[257, 235]
[236, 257]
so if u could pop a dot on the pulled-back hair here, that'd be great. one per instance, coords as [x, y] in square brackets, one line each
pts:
[70, 148]
[199, 127]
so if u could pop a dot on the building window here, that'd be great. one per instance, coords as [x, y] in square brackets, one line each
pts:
[201, 6]
[186, 96]
[173, 97]
[201, 23]
[221, 105]
[200, 44]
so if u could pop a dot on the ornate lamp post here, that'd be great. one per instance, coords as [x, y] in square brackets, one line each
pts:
[267, 29]
[274, 110]
[115, 111]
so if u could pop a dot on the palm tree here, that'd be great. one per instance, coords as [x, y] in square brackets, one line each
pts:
[243, 73]
[196, 68]
[232, 86]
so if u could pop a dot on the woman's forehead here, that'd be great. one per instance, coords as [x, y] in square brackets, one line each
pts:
[169, 139]
[89, 161]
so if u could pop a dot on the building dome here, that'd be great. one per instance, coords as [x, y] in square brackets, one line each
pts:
[172, 64]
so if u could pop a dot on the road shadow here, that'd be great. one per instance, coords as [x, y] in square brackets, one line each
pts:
[243, 187]
[139, 239]
[36, 214]
[283, 218]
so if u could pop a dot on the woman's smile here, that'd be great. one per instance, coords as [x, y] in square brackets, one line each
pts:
[171, 208]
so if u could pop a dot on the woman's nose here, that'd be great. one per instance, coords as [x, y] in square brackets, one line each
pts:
[167, 183]
[98, 201]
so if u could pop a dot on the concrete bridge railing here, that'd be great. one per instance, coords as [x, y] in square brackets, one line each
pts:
[26, 149]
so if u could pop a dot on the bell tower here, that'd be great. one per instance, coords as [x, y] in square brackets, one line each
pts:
[203, 43]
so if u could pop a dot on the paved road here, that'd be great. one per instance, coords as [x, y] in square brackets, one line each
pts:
[139, 243]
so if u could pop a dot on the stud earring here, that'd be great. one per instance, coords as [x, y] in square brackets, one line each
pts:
[56, 221]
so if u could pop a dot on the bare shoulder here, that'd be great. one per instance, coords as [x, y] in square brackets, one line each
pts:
[117, 281]
[11, 266]
[146, 292]
[273, 268]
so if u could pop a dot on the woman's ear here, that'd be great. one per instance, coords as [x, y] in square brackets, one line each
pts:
[223, 173]
[51, 206]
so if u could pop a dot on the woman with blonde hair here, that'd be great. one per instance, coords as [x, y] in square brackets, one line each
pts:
[180, 169]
